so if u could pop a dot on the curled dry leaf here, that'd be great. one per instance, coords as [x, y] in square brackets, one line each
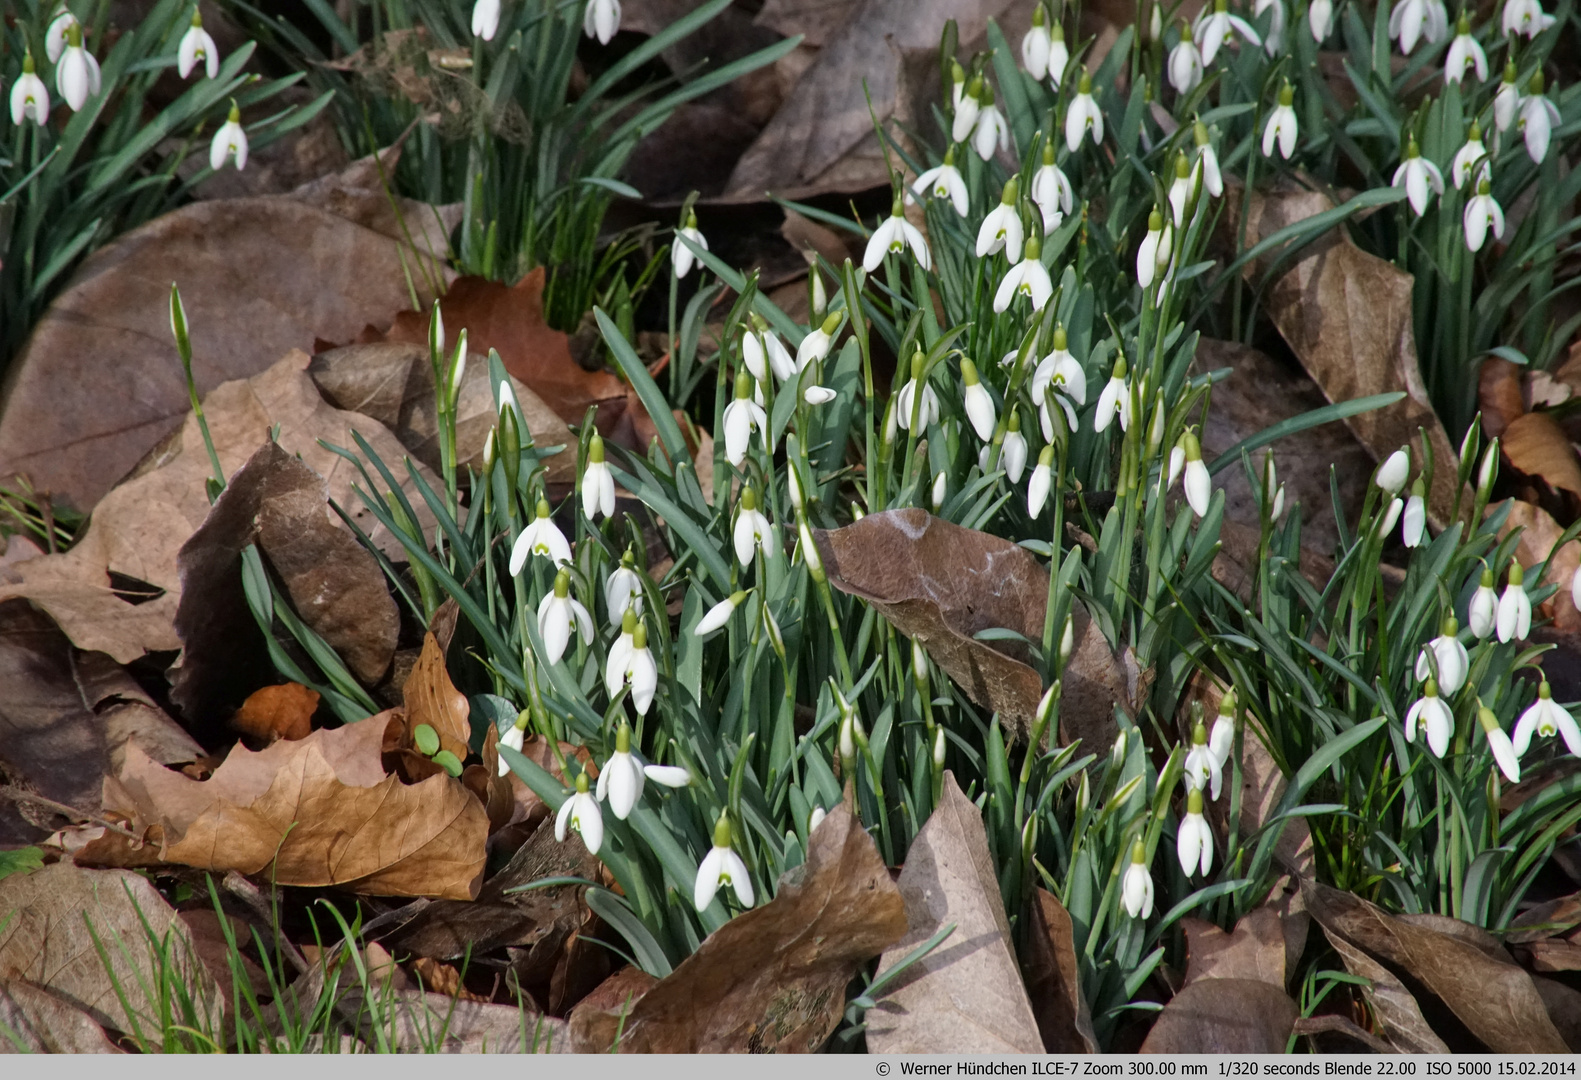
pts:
[1539, 533]
[432, 699]
[1398, 1012]
[66, 718]
[942, 584]
[1224, 1016]
[772, 979]
[258, 277]
[967, 995]
[277, 712]
[1499, 395]
[1492, 997]
[393, 382]
[1347, 316]
[317, 811]
[139, 528]
[49, 941]
[1053, 978]
[1536, 445]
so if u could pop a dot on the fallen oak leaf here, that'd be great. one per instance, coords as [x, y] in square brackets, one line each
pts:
[772, 979]
[315, 812]
[941, 584]
[967, 995]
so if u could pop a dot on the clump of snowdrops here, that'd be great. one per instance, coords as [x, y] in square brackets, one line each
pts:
[86, 156]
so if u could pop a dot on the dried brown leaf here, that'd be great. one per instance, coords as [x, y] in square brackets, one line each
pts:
[277, 712]
[32, 1020]
[432, 699]
[66, 718]
[1397, 1011]
[772, 979]
[49, 941]
[1539, 533]
[1536, 445]
[139, 528]
[1053, 978]
[393, 383]
[317, 811]
[258, 277]
[942, 584]
[967, 995]
[1224, 1016]
[1254, 950]
[1499, 395]
[1494, 998]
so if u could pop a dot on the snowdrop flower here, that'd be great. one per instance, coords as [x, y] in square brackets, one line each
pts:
[1001, 229]
[1051, 191]
[485, 19]
[818, 395]
[631, 664]
[1464, 52]
[1414, 20]
[77, 75]
[722, 866]
[1013, 454]
[1472, 155]
[1206, 167]
[1538, 117]
[894, 236]
[1276, 24]
[762, 350]
[602, 20]
[29, 97]
[1392, 474]
[1390, 515]
[1449, 656]
[1430, 715]
[229, 141]
[1575, 589]
[1063, 374]
[1414, 529]
[1514, 620]
[1198, 485]
[1418, 177]
[1059, 56]
[623, 590]
[1282, 124]
[1525, 17]
[752, 533]
[975, 400]
[55, 35]
[1219, 28]
[1027, 278]
[559, 616]
[945, 182]
[940, 487]
[1320, 19]
[965, 104]
[598, 483]
[1136, 888]
[1115, 400]
[1503, 752]
[1481, 212]
[1484, 607]
[513, 739]
[1202, 769]
[992, 131]
[541, 537]
[1185, 64]
[718, 615]
[1194, 840]
[1221, 740]
[1036, 45]
[1152, 258]
[621, 779]
[906, 404]
[1177, 465]
[1083, 116]
[741, 416]
[815, 346]
[1180, 191]
[682, 258]
[196, 44]
[1042, 482]
[581, 813]
[1546, 717]
[1508, 99]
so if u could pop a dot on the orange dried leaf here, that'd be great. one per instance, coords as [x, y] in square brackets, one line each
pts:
[277, 712]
